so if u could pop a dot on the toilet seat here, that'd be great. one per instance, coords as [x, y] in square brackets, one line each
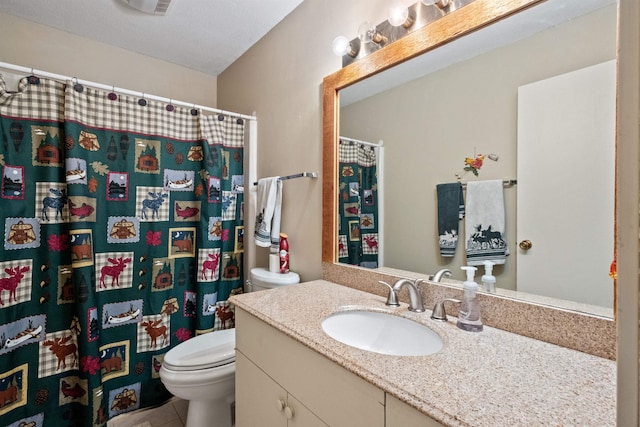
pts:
[202, 352]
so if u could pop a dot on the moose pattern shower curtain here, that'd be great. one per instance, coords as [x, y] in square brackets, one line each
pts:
[358, 205]
[123, 236]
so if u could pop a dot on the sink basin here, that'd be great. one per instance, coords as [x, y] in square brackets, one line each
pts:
[382, 333]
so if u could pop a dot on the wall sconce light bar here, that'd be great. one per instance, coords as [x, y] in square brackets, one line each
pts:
[418, 15]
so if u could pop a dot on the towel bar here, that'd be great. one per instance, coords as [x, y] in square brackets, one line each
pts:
[297, 175]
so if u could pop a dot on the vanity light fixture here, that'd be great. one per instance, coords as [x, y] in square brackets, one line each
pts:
[402, 20]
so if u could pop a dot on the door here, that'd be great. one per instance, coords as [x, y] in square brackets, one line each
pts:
[566, 176]
[260, 401]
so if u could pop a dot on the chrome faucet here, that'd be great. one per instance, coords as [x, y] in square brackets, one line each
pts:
[443, 272]
[439, 312]
[415, 297]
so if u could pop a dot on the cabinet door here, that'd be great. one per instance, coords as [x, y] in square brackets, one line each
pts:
[260, 401]
[399, 414]
[302, 417]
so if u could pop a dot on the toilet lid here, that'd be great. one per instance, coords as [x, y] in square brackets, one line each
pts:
[265, 276]
[204, 351]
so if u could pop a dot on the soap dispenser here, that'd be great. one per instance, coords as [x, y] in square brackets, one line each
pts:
[488, 279]
[469, 318]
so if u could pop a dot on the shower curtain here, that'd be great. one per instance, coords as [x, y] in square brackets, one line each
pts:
[123, 236]
[358, 205]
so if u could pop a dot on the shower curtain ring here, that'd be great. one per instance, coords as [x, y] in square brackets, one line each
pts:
[77, 86]
[142, 102]
[170, 106]
[33, 79]
[112, 95]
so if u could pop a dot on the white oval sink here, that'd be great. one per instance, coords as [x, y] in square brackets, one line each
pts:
[382, 333]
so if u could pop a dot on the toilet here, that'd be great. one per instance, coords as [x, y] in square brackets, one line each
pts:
[262, 278]
[201, 370]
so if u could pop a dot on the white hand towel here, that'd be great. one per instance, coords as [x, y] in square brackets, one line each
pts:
[269, 200]
[485, 223]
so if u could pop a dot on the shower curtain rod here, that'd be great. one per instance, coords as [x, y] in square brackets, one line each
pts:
[64, 78]
[357, 141]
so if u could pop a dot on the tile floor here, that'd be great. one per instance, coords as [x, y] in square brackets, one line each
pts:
[171, 414]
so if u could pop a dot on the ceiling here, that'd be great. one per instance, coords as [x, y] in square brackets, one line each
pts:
[205, 35]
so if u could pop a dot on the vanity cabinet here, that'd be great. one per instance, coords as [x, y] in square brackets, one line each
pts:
[399, 414]
[276, 375]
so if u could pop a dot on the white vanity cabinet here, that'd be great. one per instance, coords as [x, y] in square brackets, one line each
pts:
[277, 377]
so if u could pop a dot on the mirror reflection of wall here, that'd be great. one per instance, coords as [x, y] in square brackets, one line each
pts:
[431, 124]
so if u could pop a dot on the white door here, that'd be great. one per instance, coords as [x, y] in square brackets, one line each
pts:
[566, 175]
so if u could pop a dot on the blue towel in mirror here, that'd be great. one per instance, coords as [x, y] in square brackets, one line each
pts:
[450, 212]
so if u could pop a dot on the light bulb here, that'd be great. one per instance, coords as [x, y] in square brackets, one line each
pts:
[341, 46]
[364, 32]
[398, 14]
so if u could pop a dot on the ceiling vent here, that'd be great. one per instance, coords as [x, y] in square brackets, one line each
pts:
[152, 7]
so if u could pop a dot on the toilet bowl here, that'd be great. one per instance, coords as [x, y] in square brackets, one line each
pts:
[262, 279]
[202, 371]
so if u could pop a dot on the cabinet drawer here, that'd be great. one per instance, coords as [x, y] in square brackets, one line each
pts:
[335, 395]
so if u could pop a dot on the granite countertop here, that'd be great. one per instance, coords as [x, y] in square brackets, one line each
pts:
[491, 378]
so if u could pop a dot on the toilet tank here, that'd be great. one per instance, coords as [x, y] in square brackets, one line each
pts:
[262, 279]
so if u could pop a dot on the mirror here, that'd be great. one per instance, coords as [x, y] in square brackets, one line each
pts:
[360, 104]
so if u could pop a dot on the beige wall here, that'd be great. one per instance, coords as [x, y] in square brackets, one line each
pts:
[280, 78]
[43, 48]
[431, 124]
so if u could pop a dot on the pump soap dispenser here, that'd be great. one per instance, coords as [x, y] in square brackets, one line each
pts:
[469, 318]
[488, 279]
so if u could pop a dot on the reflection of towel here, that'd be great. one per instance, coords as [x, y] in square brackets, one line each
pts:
[267, 231]
[450, 212]
[484, 225]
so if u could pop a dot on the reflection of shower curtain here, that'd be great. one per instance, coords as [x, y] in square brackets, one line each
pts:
[122, 237]
[358, 205]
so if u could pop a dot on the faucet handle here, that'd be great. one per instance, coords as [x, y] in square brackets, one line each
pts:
[439, 313]
[392, 298]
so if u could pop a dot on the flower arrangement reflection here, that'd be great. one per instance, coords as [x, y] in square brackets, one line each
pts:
[474, 164]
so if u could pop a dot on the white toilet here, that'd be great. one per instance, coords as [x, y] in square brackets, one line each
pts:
[262, 278]
[202, 369]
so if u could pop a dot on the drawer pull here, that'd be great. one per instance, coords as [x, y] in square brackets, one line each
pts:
[280, 405]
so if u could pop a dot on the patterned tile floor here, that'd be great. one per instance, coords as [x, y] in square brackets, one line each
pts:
[171, 414]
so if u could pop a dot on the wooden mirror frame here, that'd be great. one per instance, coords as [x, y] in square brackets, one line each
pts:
[465, 20]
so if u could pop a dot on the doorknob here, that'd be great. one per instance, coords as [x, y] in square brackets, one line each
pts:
[525, 245]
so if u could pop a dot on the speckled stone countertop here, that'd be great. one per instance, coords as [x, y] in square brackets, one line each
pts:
[491, 378]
